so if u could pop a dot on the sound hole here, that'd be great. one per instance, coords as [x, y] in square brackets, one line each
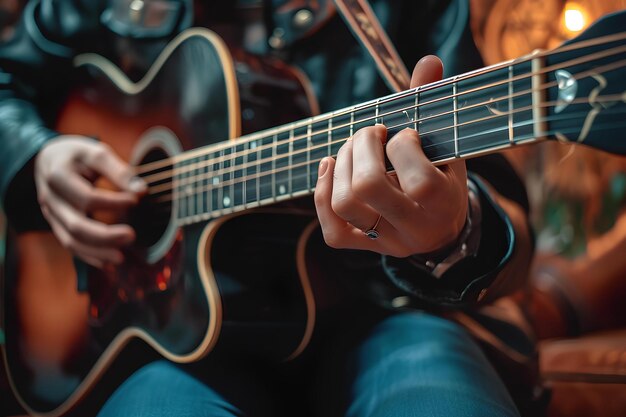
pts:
[152, 216]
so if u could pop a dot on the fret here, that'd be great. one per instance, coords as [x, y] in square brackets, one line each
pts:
[319, 148]
[281, 187]
[274, 156]
[177, 200]
[266, 185]
[215, 190]
[188, 190]
[229, 179]
[206, 185]
[455, 119]
[309, 143]
[232, 181]
[184, 181]
[252, 174]
[416, 113]
[198, 189]
[245, 154]
[225, 183]
[299, 160]
[352, 122]
[510, 118]
[377, 111]
[329, 150]
[196, 177]
[257, 154]
[291, 136]
[237, 177]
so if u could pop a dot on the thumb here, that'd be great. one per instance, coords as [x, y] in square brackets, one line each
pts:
[118, 172]
[427, 70]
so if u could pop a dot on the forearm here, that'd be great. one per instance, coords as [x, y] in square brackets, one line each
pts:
[33, 64]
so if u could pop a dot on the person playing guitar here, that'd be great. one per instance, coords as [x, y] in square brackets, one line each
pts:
[438, 244]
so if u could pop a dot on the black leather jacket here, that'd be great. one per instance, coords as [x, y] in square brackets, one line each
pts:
[36, 65]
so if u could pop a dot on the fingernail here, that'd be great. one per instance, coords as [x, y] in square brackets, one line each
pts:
[323, 167]
[137, 185]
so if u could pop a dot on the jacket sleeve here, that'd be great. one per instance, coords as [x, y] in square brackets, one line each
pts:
[34, 65]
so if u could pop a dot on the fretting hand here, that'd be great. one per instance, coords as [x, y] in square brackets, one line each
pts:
[65, 171]
[417, 209]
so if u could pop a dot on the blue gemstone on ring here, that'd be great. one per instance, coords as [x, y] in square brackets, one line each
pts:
[372, 234]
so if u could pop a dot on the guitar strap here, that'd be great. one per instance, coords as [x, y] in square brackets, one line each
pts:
[365, 26]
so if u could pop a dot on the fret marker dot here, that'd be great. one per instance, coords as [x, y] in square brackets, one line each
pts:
[226, 201]
[282, 189]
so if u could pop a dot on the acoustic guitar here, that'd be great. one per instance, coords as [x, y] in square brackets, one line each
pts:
[179, 289]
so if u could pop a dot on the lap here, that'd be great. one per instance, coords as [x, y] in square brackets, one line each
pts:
[410, 364]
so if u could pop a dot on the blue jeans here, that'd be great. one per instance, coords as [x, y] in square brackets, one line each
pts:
[409, 364]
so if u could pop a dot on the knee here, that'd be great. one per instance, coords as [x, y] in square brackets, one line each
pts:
[427, 331]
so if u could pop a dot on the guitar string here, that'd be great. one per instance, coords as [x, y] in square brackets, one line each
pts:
[165, 186]
[409, 93]
[240, 180]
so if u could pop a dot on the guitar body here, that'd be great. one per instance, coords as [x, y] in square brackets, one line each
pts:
[183, 290]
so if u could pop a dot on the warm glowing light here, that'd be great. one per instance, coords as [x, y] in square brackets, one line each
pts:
[574, 18]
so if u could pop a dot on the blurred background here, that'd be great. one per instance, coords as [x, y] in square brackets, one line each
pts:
[578, 200]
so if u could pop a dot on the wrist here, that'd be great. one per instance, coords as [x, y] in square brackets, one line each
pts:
[465, 245]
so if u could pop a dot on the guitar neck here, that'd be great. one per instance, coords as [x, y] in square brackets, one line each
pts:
[460, 117]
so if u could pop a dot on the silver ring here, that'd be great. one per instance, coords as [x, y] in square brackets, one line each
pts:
[372, 233]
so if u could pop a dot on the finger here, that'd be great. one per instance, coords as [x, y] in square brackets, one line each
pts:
[370, 181]
[332, 225]
[344, 202]
[85, 197]
[108, 164]
[427, 70]
[86, 230]
[418, 177]
[340, 234]
[95, 256]
[337, 232]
